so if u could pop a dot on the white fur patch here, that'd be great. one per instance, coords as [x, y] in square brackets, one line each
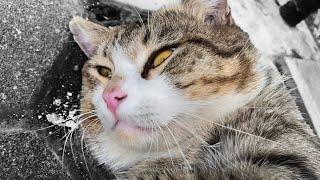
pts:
[150, 103]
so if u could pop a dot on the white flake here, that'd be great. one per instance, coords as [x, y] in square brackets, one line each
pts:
[61, 121]
[18, 30]
[71, 124]
[55, 119]
[57, 102]
[3, 96]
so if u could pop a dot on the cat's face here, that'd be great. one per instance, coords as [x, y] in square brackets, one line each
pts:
[184, 68]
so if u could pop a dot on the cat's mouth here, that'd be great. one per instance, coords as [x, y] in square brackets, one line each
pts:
[127, 126]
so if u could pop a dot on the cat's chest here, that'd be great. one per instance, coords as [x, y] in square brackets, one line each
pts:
[119, 158]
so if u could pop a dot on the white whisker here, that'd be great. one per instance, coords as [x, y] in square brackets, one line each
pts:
[182, 154]
[165, 139]
[230, 128]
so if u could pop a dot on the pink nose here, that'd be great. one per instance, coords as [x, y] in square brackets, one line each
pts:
[114, 99]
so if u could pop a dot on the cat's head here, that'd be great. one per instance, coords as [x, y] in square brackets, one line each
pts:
[187, 66]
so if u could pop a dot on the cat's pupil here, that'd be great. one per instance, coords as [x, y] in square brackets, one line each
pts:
[104, 71]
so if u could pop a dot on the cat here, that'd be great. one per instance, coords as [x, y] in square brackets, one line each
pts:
[187, 96]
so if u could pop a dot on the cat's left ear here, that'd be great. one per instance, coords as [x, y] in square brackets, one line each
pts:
[216, 12]
[88, 35]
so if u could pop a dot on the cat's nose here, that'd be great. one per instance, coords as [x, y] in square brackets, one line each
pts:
[114, 98]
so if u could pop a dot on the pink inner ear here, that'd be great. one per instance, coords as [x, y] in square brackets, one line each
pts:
[219, 13]
[83, 40]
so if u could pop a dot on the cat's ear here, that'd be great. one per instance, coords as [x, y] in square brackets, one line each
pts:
[216, 12]
[88, 35]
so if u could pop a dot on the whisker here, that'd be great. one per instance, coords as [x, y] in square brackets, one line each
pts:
[192, 132]
[53, 132]
[139, 16]
[152, 126]
[77, 125]
[64, 147]
[65, 135]
[44, 128]
[86, 113]
[201, 139]
[165, 139]
[71, 146]
[245, 47]
[182, 154]
[82, 120]
[230, 128]
[82, 146]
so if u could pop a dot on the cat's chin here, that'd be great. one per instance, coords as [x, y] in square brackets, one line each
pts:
[125, 130]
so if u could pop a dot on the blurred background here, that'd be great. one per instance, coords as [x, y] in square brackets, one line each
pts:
[40, 65]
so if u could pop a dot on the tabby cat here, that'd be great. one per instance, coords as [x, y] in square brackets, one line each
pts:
[187, 96]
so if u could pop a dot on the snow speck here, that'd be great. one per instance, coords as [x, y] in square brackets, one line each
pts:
[4, 46]
[57, 31]
[55, 119]
[3, 96]
[69, 94]
[18, 30]
[57, 102]
[72, 115]
[76, 68]
[71, 124]
[70, 121]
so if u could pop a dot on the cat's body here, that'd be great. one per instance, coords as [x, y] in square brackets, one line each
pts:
[266, 139]
[187, 96]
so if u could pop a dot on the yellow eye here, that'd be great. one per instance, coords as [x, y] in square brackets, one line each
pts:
[104, 71]
[161, 57]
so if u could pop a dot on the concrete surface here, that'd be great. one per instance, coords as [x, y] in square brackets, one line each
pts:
[31, 35]
[25, 156]
[306, 76]
[269, 33]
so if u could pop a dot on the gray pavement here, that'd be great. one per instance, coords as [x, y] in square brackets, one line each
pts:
[25, 156]
[31, 35]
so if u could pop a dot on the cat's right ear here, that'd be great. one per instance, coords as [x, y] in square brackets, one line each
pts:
[216, 12]
[88, 35]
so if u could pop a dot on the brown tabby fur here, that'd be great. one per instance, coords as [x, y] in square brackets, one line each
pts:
[264, 139]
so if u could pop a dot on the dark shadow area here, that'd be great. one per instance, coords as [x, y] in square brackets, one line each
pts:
[63, 83]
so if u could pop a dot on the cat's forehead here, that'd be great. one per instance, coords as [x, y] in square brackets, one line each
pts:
[161, 28]
[126, 60]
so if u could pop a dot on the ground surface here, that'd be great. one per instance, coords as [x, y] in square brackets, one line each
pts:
[35, 44]
[31, 35]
